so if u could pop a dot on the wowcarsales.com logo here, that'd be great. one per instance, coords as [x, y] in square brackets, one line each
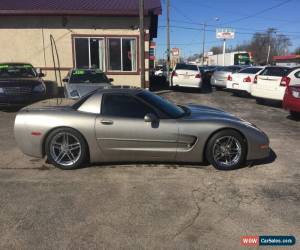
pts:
[268, 241]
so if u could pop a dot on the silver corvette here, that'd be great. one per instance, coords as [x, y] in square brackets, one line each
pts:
[134, 125]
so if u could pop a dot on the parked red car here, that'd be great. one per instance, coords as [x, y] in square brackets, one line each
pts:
[291, 100]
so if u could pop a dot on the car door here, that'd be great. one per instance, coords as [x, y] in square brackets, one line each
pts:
[123, 135]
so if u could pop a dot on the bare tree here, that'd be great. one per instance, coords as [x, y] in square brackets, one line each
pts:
[297, 51]
[261, 41]
[216, 50]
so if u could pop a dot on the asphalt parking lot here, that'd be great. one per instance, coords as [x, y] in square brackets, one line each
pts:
[153, 206]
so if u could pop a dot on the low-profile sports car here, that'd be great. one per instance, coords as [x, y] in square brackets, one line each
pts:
[134, 125]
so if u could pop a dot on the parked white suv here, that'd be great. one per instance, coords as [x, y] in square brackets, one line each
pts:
[186, 75]
[242, 80]
[271, 83]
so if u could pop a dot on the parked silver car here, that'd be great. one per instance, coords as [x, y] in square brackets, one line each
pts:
[132, 125]
[80, 82]
[222, 74]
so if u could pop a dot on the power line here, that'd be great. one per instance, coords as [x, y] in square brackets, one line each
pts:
[210, 30]
[259, 12]
[234, 12]
[234, 27]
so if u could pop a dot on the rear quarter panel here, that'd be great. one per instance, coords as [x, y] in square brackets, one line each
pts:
[44, 122]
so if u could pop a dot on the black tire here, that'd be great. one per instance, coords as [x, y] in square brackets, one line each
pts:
[49, 149]
[295, 114]
[210, 148]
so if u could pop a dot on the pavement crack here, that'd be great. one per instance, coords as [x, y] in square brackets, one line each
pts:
[194, 218]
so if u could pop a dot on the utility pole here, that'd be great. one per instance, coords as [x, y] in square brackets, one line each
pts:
[269, 50]
[224, 51]
[168, 41]
[203, 43]
[142, 43]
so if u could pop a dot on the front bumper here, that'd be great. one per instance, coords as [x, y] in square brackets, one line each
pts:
[291, 104]
[9, 101]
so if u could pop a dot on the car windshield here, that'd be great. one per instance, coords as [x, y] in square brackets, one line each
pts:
[17, 71]
[88, 76]
[186, 66]
[275, 71]
[162, 104]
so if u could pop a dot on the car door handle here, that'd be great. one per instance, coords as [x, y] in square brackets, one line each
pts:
[107, 122]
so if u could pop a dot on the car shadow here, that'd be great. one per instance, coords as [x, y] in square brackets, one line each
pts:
[293, 118]
[175, 165]
[206, 89]
[13, 109]
[240, 95]
[168, 165]
[269, 103]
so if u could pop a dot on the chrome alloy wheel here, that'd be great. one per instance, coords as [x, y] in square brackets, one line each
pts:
[227, 151]
[65, 149]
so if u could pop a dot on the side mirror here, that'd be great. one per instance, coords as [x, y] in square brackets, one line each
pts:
[66, 80]
[111, 79]
[150, 118]
[39, 72]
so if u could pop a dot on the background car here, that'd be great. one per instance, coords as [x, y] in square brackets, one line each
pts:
[186, 75]
[222, 74]
[208, 72]
[135, 125]
[20, 84]
[291, 100]
[242, 80]
[80, 82]
[161, 71]
[271, 83]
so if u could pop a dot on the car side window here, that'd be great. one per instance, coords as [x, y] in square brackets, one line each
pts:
[297, 74]
[124, 105]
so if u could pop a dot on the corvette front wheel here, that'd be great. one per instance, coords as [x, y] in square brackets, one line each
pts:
[226, 150]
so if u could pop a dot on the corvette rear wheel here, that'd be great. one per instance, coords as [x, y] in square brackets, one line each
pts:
[226, 150]
[66, 148]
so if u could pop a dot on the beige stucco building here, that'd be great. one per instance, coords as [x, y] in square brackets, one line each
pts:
[56, 40]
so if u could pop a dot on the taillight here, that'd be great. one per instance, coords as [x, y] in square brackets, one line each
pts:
[247, 79]
[174, 73]
[255, 80]
[229, 78]
[285, 81]
[295, 91]
[198, 75]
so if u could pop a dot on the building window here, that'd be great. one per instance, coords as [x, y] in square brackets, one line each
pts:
[122, 54]
[89, 52]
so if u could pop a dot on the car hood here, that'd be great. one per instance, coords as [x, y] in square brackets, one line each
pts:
[199, 112]
[20, 82]
[85, 88]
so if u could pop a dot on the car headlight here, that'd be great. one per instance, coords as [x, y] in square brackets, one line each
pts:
[74, 94]
[39, 88]
[1, 91]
